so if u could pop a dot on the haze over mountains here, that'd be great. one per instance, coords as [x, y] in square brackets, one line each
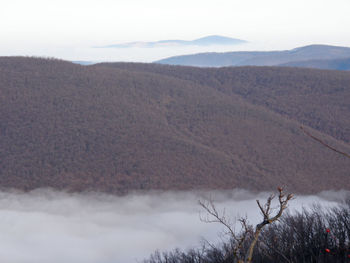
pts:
[303, 56]
[124, 126]
[204, 41]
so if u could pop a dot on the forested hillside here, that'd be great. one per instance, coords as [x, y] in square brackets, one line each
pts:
[122, 127]
[317, 98]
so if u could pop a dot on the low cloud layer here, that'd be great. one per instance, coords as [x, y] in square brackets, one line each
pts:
[48, 226]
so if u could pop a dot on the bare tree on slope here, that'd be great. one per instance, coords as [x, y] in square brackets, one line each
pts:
[247, 234]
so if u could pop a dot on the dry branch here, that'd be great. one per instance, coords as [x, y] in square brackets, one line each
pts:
[323, 143]
[247, 232]
[221, 218]
[268, 219]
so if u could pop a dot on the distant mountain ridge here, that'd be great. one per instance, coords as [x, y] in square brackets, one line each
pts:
[259, 58]
[204, 41]
[333, 64]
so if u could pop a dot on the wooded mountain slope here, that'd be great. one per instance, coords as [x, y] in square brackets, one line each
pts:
[110, 129]
[317, 98]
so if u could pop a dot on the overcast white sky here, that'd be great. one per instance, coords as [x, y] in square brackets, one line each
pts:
[68, 28]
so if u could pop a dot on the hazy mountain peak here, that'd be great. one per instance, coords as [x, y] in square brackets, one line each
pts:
[217, 40]
[204, 41]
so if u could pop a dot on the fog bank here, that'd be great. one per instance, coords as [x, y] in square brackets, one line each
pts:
[48, 226]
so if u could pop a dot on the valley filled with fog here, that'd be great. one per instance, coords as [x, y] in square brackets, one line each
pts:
[50, 226]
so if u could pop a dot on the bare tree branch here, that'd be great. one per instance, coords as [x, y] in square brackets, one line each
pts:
[247, 232]
[210, 208]
[323, 143]
[266, 212]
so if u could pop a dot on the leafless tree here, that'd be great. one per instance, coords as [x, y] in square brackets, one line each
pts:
[247, 233]
[266, 211]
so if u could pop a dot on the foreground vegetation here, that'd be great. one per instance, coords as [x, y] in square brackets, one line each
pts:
[312, 235]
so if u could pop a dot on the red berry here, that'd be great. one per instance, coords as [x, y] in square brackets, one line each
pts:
[327, 250]
[328, 230]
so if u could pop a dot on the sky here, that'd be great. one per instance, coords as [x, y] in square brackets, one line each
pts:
[69, 29]
[47, 226]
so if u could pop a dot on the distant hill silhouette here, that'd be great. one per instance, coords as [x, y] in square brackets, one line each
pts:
[204, 41]
[120, 127]
[333, 64]
[259, 58]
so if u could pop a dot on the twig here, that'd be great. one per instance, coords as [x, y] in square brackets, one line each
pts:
[323, 143]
